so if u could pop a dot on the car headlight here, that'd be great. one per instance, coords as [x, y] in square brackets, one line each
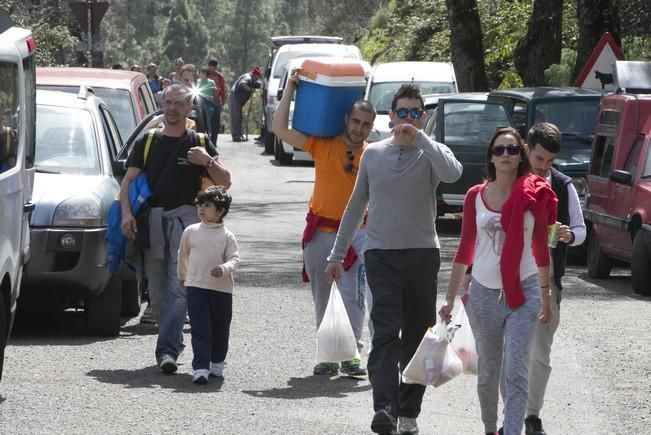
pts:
[580, 184]
[79, 211]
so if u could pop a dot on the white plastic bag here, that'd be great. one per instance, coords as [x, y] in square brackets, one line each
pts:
[464, 342]
[335, 338]
[434, 362]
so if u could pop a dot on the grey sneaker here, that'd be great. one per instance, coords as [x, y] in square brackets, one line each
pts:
[147, 316]
[326, 368]
[407, 426]
[200, 376]
[353, 368]
[384, 423]
[217, 369]
[167, 364]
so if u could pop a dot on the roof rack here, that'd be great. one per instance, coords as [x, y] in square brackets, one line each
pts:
[633, 77]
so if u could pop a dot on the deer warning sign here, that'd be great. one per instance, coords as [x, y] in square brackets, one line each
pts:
[597, 73]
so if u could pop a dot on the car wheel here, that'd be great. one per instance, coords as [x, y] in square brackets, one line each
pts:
[269, 139]
[5, 317]
[131, 298]
[103, 310]
[599, 264]
[641, 264]
[282, 157]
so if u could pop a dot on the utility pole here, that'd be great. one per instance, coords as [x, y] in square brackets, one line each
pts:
[89, 13]
[89, 21]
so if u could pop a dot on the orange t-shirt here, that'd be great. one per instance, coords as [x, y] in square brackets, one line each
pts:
[332, 184]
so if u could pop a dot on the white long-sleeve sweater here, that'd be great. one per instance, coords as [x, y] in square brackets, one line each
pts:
[205, 246]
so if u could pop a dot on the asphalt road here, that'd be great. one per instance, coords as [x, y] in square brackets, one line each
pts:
[57, 380]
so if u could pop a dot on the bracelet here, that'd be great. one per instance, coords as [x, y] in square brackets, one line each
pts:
[211, 163]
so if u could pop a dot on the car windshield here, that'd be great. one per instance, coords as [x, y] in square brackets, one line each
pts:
[117, 100]
[65, 142]
[472, 124]
[572, 117]
[284, 58]
[381, 94]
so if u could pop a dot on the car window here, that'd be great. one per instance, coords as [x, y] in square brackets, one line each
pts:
[65, 141]
[519, 117]
[472, 123]
[111, 132]
[576, 117]
[283, 58]
[381, 94]
[602, 156]
[646, 172]
[145, 99]
[117, 100]
[9, 116]
[633, 157]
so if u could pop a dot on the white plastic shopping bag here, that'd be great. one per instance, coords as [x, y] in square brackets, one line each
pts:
[335, 338]
[434, 362]
[464, 342]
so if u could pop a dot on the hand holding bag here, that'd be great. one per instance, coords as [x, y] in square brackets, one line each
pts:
[335, 338]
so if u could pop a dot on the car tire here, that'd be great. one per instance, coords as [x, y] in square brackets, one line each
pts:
[599, 264]
[285, 159]
[641, 264]
[103, 310]
[269, 140]
[131, 298]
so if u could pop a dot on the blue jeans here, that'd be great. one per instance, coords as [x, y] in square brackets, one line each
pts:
[210, 313]
[168, 302]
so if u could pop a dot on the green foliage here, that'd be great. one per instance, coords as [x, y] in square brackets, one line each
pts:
[561, 74]
[636, 47]
[186, 34]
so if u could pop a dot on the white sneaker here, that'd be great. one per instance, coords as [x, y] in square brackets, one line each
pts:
[200, 376]
[167, 364]
[407, 426]
[217, 369]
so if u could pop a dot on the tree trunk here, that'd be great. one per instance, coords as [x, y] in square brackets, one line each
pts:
[466, 45]
[594, 18]
[541, 46]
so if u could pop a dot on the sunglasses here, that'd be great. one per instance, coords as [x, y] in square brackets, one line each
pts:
[414, 112]
[512, 150]
[349, 166]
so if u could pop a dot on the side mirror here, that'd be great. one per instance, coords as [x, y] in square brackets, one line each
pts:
[119, 167]
[621, 177]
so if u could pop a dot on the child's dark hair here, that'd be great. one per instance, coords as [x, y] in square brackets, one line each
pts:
[218, 196]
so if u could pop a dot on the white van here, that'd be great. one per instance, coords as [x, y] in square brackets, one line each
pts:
[279, 67]
[386, 78]
[17, 121]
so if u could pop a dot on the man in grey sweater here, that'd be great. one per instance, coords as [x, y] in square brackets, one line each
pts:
[397, 181]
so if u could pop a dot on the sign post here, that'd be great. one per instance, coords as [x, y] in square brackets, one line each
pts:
[89, 13]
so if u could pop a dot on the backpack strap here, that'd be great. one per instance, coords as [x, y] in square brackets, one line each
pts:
[202, 139]
[150, 138]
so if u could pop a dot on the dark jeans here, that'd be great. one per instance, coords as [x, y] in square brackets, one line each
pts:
[215, 121]
[210, 314]
[403, 284]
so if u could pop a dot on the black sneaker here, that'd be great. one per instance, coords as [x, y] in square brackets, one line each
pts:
[533, 426]
[384, 423]
[353, 368]
[326, 369]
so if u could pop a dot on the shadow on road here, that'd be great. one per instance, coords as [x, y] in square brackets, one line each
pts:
[151, 377]
[314, 386]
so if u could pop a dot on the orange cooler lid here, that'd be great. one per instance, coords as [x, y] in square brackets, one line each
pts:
[331, 67]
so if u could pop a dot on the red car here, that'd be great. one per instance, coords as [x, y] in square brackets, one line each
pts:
[618, 204]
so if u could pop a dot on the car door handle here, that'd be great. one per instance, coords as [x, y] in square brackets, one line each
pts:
[29, 207]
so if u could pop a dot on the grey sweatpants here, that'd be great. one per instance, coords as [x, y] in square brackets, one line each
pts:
[352, 284]
[540, 355]
[503, 337]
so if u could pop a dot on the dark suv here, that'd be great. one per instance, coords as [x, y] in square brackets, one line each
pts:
[573, 110]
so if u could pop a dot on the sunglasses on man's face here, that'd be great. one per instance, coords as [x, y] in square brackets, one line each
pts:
[512, 150]
[414, 112]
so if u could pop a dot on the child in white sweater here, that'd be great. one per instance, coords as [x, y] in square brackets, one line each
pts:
[207, 260]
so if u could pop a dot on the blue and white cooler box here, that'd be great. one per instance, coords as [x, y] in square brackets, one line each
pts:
[326, 90]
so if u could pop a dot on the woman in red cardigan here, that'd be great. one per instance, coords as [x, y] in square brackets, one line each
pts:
[504, 237]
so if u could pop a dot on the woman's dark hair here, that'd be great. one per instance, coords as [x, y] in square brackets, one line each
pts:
[218, 196]
[523, 167]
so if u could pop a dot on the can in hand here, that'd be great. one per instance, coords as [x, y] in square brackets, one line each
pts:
[552, 235]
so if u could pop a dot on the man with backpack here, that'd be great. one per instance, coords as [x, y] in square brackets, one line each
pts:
[173, 161]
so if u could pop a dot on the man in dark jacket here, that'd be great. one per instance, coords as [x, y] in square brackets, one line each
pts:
[239, 95]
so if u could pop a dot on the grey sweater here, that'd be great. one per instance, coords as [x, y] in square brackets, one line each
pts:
[398, 184]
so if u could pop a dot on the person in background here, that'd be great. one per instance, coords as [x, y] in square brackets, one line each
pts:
[155, 81]
[159, 95]
[543, 144]
[173, 168]
[505, 223]
[397, 180]
[240, 93]
[335, 160]
[135, 68]
[208, 258]
[175, 76]
[219, 98]
[7, 143]
[200, 114]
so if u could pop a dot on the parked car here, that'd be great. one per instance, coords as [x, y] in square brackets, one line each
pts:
[618, 204]
[386, 78]
[283, 49]
[465, 123]
[77, 141]
[126, 93]
[572, 110]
